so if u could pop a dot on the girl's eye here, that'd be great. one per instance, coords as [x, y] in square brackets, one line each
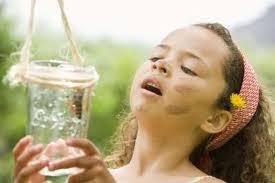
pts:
[154, 59]
[188, 71]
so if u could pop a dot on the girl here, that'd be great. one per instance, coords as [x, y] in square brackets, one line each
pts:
[197, 114]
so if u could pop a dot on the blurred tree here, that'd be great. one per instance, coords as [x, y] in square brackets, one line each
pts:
[11, 100]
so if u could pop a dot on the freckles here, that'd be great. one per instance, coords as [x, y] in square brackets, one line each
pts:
[176, 110]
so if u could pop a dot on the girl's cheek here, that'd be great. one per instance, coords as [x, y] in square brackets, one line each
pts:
[183, 88]
[141, 70]
[176, 109]
[181, 92]
[145, 67]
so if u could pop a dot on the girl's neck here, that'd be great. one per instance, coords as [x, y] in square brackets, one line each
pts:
[162, 153]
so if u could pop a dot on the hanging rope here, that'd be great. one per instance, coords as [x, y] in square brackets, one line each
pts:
[17, 72]
[25, 51]
[75, 53]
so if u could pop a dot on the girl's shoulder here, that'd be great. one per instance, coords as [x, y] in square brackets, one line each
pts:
[118, 175]
[206, 179]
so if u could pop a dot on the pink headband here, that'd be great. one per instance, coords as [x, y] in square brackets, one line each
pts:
[240, 117]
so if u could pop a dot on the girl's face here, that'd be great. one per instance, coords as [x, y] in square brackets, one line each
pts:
[182, 79]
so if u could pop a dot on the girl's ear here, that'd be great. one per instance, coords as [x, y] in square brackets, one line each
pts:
[217, 122]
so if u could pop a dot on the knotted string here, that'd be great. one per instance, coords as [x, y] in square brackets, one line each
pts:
[17, 72]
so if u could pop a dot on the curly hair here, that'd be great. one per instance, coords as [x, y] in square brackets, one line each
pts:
[249, 157]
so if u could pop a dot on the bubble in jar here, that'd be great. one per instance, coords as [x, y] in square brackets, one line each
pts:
[39, 115]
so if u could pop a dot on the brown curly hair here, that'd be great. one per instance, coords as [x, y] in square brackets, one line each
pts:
[249, 157]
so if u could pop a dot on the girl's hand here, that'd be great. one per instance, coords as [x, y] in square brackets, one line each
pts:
[24, 171]
[94, 168]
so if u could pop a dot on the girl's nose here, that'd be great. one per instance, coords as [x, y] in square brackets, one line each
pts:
[162, 67]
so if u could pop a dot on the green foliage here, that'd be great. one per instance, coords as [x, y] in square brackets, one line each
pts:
[11, 101]
[265, 67]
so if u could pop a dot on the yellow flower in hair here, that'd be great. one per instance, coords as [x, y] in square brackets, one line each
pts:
[237, 101]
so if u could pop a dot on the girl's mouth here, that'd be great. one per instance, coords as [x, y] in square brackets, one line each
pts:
[152, 85]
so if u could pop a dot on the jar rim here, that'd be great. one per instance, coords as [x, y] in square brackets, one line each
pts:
[60, 73]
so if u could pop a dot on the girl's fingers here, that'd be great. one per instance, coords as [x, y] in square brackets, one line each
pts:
[21, 146]
[88, 175]
[87, 146]
[26, 156]
[80, 162]
[30, 170]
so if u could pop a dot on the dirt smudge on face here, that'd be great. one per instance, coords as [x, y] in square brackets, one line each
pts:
[176, 110]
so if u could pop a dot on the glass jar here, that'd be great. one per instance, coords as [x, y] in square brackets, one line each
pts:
[58, 107]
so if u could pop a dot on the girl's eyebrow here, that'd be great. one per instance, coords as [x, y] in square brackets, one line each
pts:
[188, 53]
[164, 46]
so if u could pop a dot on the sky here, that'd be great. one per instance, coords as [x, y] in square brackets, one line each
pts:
[146, 21]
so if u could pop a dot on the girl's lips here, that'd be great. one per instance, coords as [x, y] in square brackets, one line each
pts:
[149, 93]
[151, 85]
